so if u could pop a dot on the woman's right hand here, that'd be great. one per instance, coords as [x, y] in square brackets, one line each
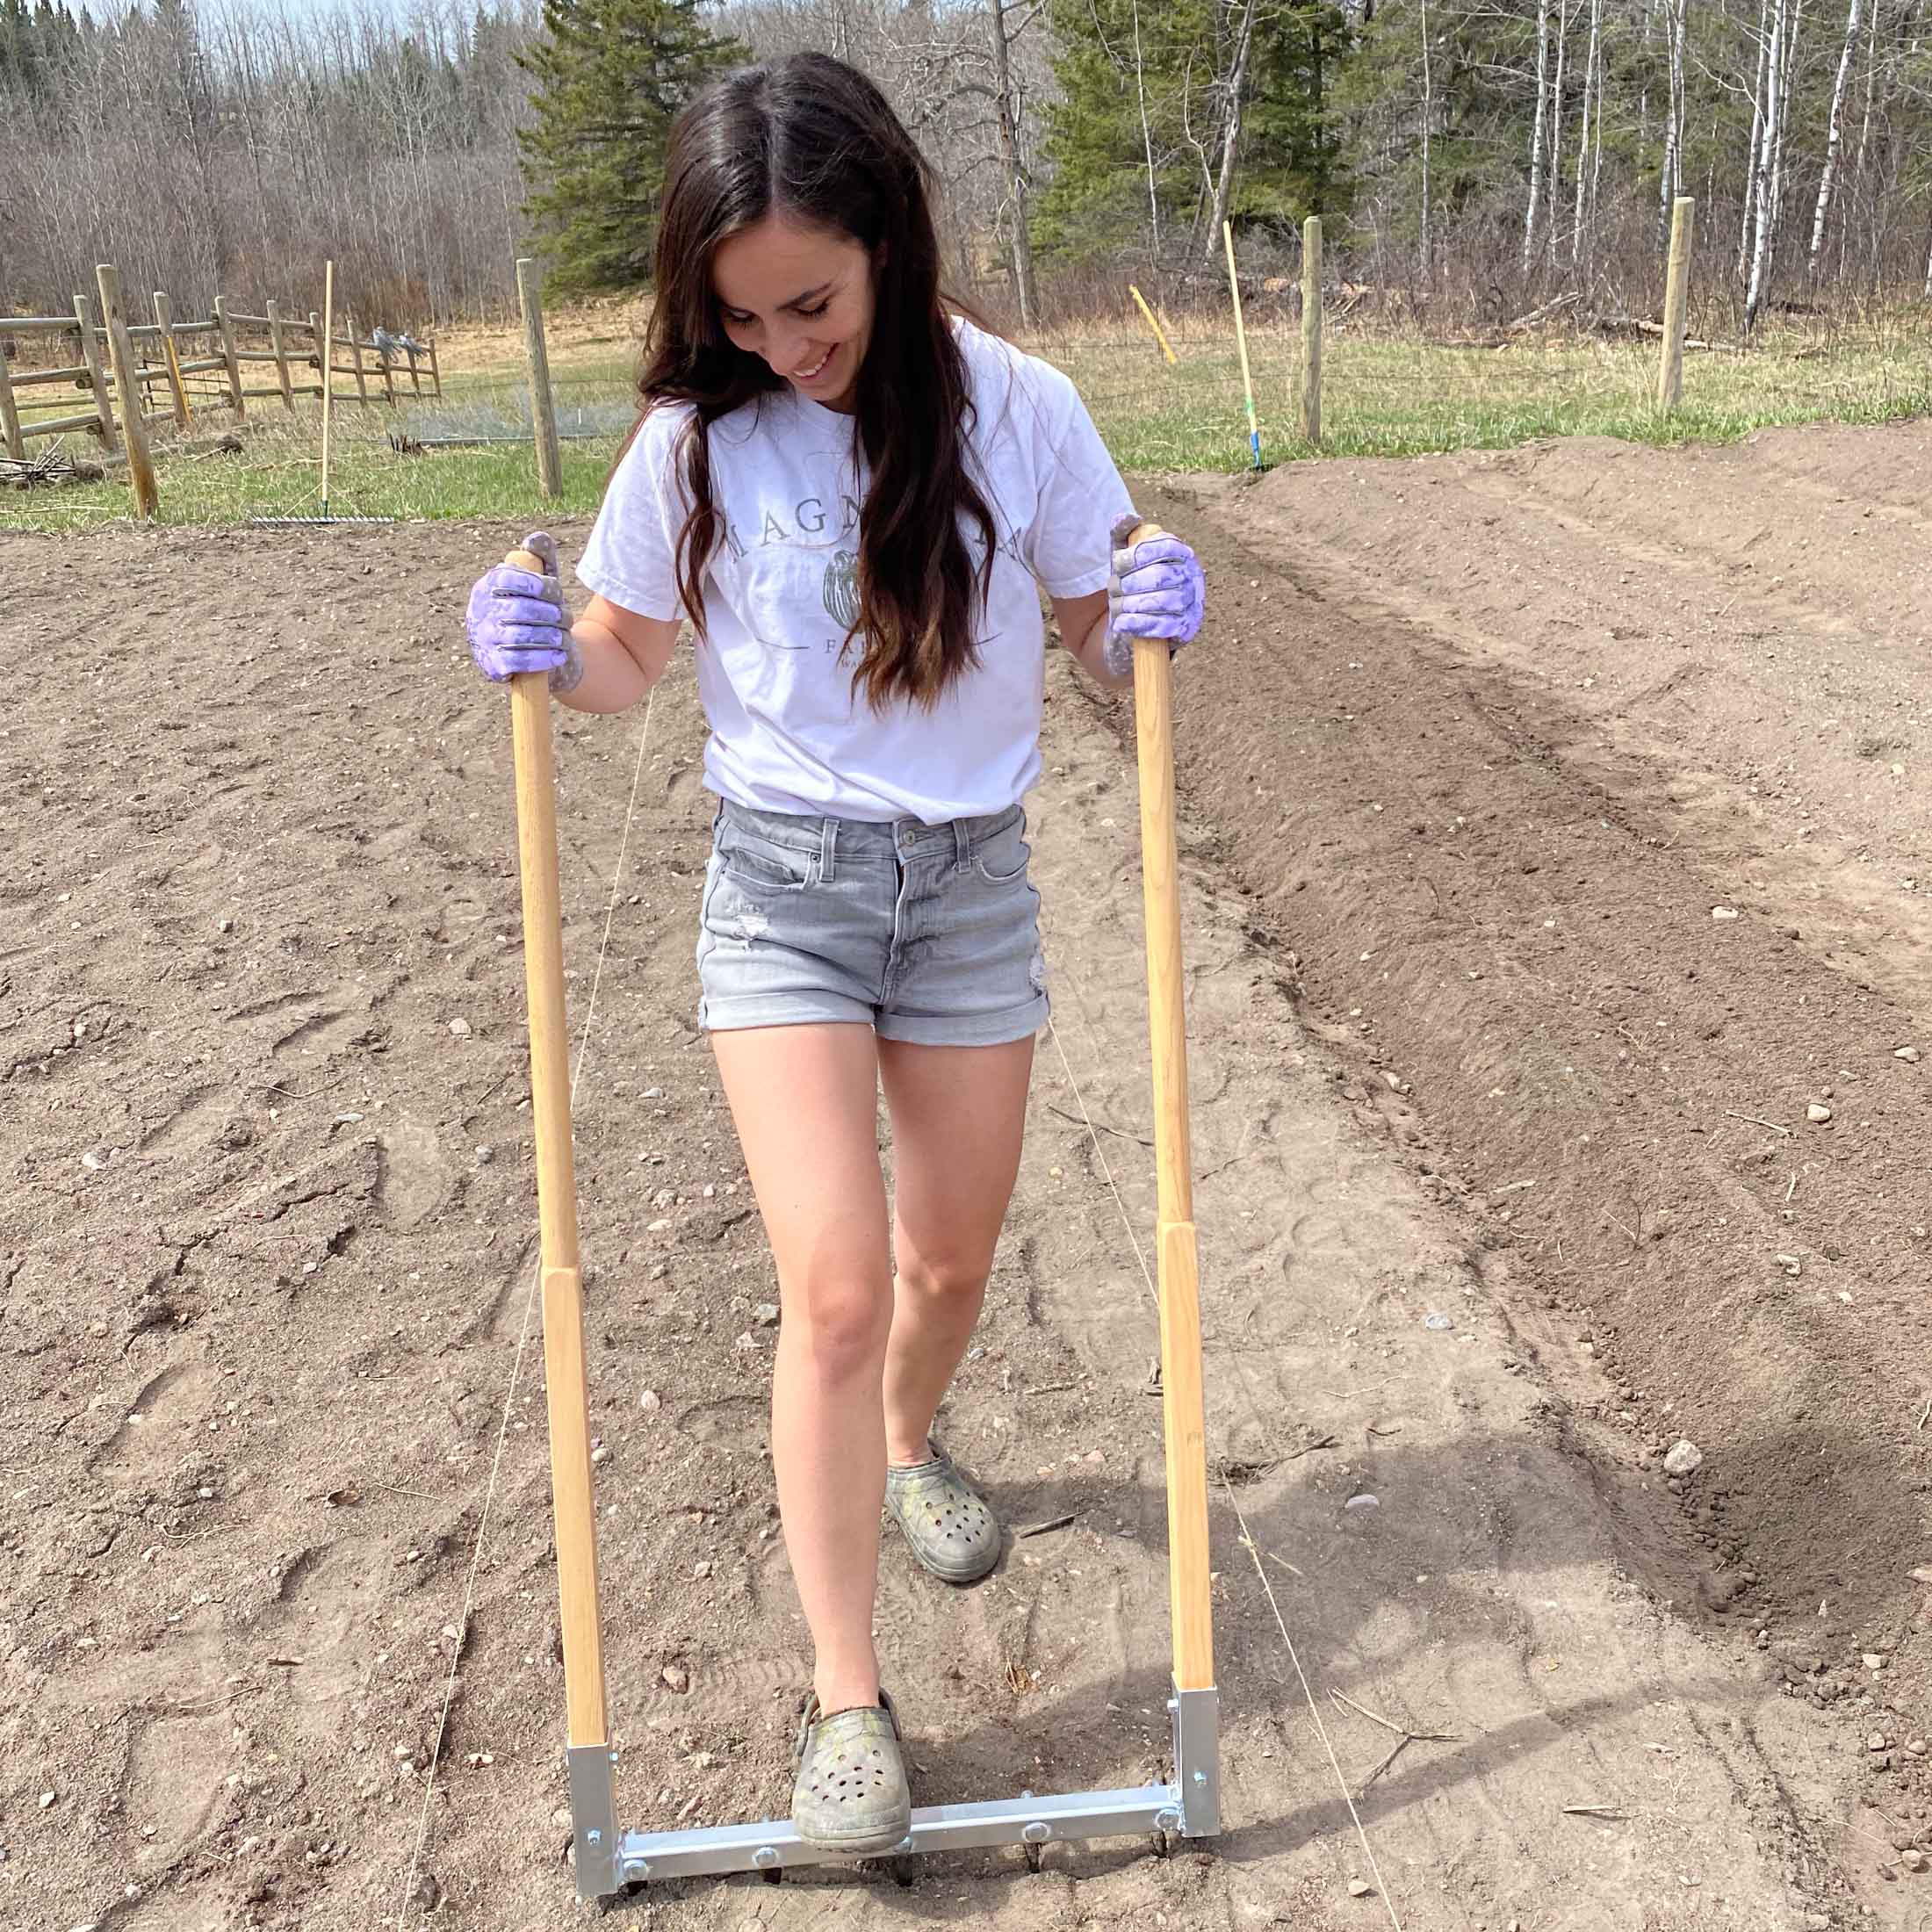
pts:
[517, 621]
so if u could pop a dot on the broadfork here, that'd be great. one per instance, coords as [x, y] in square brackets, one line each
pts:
[1188, 1806]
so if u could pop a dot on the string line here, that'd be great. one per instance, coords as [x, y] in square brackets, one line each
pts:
[522, 1340]
[1247, 1539]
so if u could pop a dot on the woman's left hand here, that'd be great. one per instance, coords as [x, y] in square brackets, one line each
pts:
[1156, 590]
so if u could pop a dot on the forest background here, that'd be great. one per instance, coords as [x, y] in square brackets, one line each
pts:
[1470, 156]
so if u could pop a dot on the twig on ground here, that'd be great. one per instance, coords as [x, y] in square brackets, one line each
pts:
[1064, 1522]
[1405, 1736]
[1099, 1127]
[1925, 1414]
[1756, 1120]
[1592, 1811]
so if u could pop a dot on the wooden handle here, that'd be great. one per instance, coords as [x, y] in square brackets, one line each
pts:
[572, 1501]
[1184, 1409]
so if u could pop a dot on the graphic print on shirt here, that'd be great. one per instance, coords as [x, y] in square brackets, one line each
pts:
[842, 591]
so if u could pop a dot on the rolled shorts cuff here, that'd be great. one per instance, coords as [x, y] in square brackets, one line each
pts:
[743, 1013]
[965, 1029]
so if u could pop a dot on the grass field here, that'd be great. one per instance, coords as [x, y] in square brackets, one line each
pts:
[1383, 395]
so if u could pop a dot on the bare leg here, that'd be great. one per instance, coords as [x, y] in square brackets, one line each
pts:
[958, 1119]
[805, 1102]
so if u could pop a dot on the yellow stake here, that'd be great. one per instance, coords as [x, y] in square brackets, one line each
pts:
[1159, 334]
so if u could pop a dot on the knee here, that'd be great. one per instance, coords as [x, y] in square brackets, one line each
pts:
[841, 1329]
[949, 1278]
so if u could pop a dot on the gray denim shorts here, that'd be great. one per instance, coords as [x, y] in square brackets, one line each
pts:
[926, 933]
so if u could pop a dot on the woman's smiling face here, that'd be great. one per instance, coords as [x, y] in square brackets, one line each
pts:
[801, 298]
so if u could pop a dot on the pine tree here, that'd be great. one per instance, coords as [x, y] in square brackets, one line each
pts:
[1138, 131]
[610, 76]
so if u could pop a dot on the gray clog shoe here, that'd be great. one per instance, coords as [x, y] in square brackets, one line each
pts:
[851, 1796]
[944, 1520]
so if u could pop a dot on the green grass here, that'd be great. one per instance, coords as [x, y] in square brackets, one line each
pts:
[1382, 396]
[1391, 397]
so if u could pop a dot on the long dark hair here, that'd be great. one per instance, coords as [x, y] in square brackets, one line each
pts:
[814, 138]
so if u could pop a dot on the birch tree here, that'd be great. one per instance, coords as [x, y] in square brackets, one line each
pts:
[1539, 129]
[1834, 133]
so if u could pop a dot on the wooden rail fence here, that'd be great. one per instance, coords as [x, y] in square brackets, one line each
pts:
[178, 368]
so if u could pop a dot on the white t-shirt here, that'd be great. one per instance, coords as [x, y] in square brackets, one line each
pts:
[788, 734]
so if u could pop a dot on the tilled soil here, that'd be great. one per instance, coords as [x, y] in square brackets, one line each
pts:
[1483, 1238]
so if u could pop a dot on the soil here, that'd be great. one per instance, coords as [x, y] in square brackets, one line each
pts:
[1473, 749]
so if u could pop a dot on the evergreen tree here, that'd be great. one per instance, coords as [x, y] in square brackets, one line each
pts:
[610, 76]
[1145, 90]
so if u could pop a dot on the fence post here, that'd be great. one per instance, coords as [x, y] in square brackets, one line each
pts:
[323, 352]
[228, 351]
[1311, 330]
[281, 355]
[356, 355]
[141, 469]
[90, 354]
[164, 317]
[10, 414]
[415, 380]
[543, 405]
[1676, 304]
[435, 372]
[388, 378]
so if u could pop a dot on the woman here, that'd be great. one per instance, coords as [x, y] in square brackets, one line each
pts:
[853, 495]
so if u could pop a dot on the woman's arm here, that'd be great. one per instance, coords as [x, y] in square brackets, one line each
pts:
[622, 656]
[1083, 631]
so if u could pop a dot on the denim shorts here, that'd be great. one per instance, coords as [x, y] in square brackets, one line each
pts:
[926, 933]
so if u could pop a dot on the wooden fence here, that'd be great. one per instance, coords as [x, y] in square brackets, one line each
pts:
[178, 368]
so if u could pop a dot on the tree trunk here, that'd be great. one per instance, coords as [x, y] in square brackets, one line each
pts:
[1427, 244]
[1555, 177]
[1672, 134]
[1766, 184]
[1538, 132]
[1593, 112]
[1231, 136]
[1016, 172]
[1147, 141]
[1757, 140]
[1834, 135]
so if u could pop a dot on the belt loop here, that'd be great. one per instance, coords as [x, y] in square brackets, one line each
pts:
[828, 850]
[962, 843]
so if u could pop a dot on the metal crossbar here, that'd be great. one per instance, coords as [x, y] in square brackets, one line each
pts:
[607, 1860]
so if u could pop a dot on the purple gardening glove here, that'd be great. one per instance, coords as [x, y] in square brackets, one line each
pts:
[1156, 590]
[517, 622]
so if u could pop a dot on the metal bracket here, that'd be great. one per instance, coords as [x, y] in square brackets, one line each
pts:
[592, 1770]
[1197, 1759]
